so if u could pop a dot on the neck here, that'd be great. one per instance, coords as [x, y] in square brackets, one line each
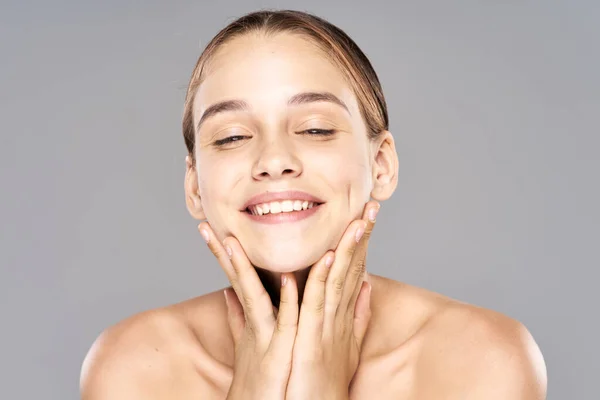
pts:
[272, 283]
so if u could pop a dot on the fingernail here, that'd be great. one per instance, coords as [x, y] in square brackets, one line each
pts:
[359, 233]
[329, 261]
[205, 235]
[283, 279]
[229, 251]
[373, 213]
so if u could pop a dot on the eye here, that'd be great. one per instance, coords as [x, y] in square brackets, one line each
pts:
[230, 139]
[237, 138]
[318, 132]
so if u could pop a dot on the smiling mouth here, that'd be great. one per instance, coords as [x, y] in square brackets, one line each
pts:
[281, 207]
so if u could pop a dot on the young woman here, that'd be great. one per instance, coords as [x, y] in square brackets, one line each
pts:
[286, 128]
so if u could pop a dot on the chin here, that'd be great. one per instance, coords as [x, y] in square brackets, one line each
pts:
[283, 260]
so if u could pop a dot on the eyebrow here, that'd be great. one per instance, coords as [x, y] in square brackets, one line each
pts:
[297, 99]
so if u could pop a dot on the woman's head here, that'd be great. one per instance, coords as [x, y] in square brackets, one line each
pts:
[285, 101]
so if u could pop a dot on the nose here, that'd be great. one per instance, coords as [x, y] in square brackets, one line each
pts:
[277, 159]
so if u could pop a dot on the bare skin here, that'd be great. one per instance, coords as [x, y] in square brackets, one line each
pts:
[432, 348]
[419, 345]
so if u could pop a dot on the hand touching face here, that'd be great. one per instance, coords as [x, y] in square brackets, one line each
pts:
[306, 352]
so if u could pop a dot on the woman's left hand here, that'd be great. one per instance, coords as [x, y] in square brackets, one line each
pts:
[334, 317]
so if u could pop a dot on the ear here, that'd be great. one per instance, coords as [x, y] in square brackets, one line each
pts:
[385, 167]
[192, 196]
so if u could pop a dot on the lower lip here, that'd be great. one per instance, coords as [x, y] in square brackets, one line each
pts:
[284, 217]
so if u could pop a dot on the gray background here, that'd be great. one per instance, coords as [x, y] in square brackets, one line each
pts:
[494, 108]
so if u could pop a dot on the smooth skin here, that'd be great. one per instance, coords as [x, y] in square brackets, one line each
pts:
[418, 345]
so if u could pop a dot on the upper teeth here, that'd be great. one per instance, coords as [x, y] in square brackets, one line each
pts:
[275, 207]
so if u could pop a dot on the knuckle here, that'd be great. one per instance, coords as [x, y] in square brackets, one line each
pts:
[283, 302]
[338, 285]
[314, 306]
[350, 250]
[367, 235]
[285, 326]
[360, 267]
[319, 306]
[322, 278]
[248, 303]
[250, 333]
[215, 250]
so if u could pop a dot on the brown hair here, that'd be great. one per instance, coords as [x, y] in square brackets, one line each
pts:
[336, 43]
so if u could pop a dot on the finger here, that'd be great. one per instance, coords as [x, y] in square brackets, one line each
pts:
[254, 298]
[220, 254]
[245, 289]
[362, 313]
[312, 310]
[357, 269]
[284, 335]
[336, 279]
[235, 315]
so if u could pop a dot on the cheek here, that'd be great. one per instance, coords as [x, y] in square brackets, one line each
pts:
[354, 182]
[347, 175]
[215, 182]
[216, 177]
[348, 171]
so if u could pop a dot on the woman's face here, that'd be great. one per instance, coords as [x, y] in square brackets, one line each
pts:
[258, 145]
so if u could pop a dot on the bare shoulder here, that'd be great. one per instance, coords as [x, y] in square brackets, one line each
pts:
[425, 345]
[151, 355]
[468, 352]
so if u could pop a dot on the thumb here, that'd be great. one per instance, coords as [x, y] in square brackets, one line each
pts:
[235, 315]
[362, 313]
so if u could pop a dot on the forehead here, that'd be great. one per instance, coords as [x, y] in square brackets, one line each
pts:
[267, 71]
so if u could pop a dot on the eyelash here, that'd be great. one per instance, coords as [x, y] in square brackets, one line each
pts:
[321, 132]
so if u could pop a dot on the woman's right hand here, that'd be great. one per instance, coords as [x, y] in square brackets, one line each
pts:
[263, 342]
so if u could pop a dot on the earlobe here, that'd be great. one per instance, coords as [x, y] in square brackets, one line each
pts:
[385, 167]
[192, 195]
